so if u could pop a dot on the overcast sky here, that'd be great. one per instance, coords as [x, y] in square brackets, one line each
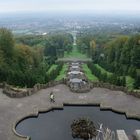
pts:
[69, 5]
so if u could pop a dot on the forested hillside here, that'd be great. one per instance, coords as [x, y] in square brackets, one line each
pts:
[24, 61]
[120, 56]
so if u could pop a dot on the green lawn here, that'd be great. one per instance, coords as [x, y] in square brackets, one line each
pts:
[103, 70]
[62, 73]
[53, 67]
[89, 74]
[75, 54]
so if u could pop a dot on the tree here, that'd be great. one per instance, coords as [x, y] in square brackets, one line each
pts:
[118, 82]
[137, 82]
[104, 77]
[6, 53]
[69, 48]
[92, 49]
[6, 43]
[123, 81]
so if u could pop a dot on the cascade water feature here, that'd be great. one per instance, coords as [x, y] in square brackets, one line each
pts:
[77, 80]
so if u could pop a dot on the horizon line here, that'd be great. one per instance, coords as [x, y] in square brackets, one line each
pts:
[74, 11]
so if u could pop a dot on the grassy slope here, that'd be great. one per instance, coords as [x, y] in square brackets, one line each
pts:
[88, 73]
[53, 67]
[129, 80]
[103, 70]
[62, 73]
[75, 54]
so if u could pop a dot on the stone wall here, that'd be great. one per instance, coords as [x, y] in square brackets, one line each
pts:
[19, 93]
[71, 60]
[2, 85]
[114, 87]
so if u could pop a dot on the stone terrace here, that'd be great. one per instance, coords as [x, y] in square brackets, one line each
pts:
[14, 109]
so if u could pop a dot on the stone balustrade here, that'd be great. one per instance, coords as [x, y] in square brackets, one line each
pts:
[19, 93]
[114, 87]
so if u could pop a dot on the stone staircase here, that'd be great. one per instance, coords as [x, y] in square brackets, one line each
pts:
[76, 78]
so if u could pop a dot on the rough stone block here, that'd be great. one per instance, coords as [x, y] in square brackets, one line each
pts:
[137, 134]
[121, 135]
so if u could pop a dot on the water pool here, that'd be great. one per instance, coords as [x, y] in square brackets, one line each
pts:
[55, 124]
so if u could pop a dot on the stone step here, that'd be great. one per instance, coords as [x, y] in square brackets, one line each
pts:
[121, 135]
[137, 134]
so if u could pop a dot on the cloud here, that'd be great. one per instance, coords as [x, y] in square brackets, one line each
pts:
[45, 5]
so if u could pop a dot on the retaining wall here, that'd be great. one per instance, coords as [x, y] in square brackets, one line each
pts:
[114, 87]
[11, 92]
[19, 93]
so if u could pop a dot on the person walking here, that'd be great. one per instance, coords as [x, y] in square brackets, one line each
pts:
[52, 97]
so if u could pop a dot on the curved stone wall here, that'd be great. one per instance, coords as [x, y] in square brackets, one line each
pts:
[120, 134]
[19, 93]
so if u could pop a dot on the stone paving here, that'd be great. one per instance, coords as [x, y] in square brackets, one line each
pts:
[14, 109]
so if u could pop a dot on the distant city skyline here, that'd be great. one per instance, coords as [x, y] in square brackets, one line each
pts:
[69, 5]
